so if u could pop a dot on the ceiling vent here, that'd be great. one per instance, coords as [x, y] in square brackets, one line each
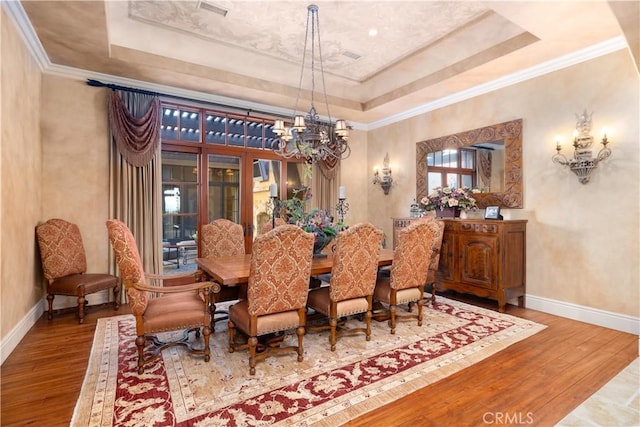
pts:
[351, 55]
[212, 8]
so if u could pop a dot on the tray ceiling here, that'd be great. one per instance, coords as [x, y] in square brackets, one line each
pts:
[423, 51]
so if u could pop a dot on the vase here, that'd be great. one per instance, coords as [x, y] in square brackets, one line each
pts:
[448, 212]
[321, 242]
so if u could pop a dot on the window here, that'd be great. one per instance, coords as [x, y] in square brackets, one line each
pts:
[218, 164]
[451, 168]
[179, 196]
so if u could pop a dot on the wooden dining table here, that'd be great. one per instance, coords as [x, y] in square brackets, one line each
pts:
[234, 270]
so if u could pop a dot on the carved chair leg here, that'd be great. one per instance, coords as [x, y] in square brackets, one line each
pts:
[367, 318]
[300, 333]
[419, 303]
[81, 303]
[392, 319]
[140, 342]
[206, 331]
[116, 296]
[433, 294]
[50, 300]
[253, 344]
[333, 323]
[232, 336]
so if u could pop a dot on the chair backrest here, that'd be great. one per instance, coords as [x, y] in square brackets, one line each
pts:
[221, 238]
[129, 263]
[268, 226]
[412, 255]
[61, 249]
[280, 270]
[438, 229]
[355, 262]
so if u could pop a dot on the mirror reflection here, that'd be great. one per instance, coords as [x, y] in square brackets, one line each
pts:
[488, 159]
[479, 166]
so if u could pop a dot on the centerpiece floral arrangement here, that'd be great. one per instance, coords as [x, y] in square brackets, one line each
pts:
[316, 221]
[448, 197]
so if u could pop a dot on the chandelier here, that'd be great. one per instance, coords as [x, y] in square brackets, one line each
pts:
[309, 138]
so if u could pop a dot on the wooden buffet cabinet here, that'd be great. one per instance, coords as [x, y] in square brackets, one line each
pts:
[481, 257]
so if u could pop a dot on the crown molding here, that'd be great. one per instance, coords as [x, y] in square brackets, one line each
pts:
[586, 54]
[15, 10]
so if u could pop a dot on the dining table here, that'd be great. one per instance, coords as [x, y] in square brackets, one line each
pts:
[234, 270]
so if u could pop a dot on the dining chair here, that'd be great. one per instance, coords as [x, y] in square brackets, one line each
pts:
[268, 226]
[276, 292]
[180, 307]
[408, 274]
[222, 237]
[64, 264]
[352, 281]
[434, 259]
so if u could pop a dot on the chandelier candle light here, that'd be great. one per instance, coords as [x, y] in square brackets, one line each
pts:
[309, 138]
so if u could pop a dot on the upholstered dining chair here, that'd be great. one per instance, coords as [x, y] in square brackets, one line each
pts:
[353, 278]
[64, 264]
[222, 237]
[276, 293]
[183, 307]
[408, 275]
[268, 226]
[434, 260]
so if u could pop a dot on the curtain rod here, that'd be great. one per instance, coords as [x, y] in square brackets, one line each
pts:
[96, 83]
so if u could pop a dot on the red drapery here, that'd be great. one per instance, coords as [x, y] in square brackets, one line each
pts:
[137, 139]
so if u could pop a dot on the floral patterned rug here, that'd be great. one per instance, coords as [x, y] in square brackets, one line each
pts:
[326, 389]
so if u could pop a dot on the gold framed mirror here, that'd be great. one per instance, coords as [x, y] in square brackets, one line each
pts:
[508, 133]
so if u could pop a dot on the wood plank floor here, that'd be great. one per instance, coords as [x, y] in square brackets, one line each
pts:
[537, 381]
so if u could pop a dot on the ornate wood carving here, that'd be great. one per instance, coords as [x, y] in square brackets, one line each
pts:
[509, 132]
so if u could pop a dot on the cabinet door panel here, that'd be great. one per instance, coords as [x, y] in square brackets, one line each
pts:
[446, 266]
[478, 255]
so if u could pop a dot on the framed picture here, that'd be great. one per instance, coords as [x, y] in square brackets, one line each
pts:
[492, 212]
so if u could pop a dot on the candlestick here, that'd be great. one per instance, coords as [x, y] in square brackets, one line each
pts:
[273, 190]
[342, 193]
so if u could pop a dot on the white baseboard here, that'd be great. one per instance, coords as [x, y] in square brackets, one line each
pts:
[13, 338]
[594, 316]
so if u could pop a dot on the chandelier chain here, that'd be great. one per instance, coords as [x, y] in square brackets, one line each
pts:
[308, 137]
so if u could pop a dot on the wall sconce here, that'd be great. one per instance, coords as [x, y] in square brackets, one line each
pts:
[386, 180]
[582, 162]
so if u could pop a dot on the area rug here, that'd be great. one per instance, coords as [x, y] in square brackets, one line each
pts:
[326, 389]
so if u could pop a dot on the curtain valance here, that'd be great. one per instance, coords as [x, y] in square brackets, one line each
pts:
[137, 139]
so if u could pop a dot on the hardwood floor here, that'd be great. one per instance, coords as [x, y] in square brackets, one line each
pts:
[534, 382]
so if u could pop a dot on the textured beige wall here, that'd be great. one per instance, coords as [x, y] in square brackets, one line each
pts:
[21, 192]
[75, 169]
[355, 179]
[582, 240]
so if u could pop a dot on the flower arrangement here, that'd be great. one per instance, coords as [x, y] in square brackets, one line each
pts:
[447, 197]
[316, 221]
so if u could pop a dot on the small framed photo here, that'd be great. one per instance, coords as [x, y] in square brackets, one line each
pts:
[492, 212]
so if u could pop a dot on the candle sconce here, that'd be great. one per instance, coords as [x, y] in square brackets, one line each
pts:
[274, 204]
[385, 180]
[342, 206]
[582, 163]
